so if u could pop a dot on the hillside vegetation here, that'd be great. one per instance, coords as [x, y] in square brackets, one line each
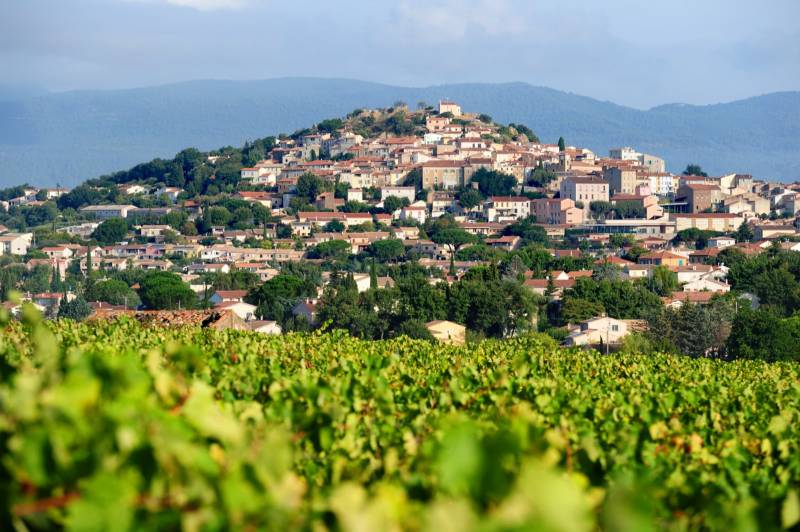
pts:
[70, 137]
[109, 426]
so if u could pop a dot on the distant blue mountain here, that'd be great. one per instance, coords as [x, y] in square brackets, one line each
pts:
[69, 137]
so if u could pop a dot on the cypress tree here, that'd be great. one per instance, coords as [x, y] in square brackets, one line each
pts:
[373, 275]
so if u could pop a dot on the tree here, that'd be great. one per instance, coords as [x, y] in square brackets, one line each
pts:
[332, 249]
[453, 237]
[470, 198]
[695, 170]
[77, 309]
[600, 209]
[393, 203]
[215, 216]
[413, 179]
[275, 298]
[111, 231]
[744, 233]
[562, 145]
[528, 231]
[334, 226]
[373, 275]
[165, 290]
[576, 310]
[763, 335]
[387, 250]
[778, 288]
[663, 281]
[37, 279]
[309, 186]
[695, 330]
[114, 292]
[493, 183]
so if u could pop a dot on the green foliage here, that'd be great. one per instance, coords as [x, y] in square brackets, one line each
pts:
[541, 177]
[111, 231]
[165, 290]
[393, 203]
[309, 186]
[114, 292]
[620, 299]
[576, 309]
[744, 233]
[111, 426]
[77, 309]
[562, 145]
[334, 226]
[470, 198]
[695, 330]
[663, 281]
[275, 298]
[524, 130]
[493, 183]
[763, 335]
[528, 231]
[387, 250]
[332, 249]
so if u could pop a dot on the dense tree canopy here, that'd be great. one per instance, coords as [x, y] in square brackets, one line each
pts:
[493, 183]
[111, 231]
[165, 290]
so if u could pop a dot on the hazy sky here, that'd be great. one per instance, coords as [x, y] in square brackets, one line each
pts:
[633, 52]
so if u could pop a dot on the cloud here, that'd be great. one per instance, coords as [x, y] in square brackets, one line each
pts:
[453, 20]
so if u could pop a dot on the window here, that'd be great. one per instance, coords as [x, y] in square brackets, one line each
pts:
[615, 328]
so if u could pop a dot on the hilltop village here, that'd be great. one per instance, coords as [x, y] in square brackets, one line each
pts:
[433, 222]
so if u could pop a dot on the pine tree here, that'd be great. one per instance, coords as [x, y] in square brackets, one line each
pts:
[562, 145]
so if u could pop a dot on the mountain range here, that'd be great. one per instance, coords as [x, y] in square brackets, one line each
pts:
[65, 138]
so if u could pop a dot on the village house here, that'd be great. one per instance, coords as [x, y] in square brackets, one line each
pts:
[601, 330]
[556, 211]
[15, 243]
[507, 208]
[584, 189]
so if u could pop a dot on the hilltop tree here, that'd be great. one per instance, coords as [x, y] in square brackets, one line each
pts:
[694, 169]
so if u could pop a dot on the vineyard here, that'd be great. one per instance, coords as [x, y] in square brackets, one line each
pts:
[111, 426]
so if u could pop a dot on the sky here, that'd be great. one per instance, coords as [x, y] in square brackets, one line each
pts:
[631, 52]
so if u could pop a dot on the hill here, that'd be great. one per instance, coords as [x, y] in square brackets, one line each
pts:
[69, 137]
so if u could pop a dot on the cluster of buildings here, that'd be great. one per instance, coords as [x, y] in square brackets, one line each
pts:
[624, 193]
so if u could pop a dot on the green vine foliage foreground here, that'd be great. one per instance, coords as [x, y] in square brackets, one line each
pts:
[111, 426]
